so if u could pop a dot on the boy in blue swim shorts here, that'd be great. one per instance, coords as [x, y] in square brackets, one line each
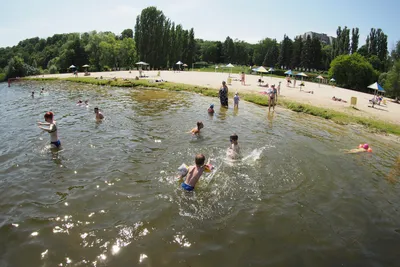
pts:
[193, 173]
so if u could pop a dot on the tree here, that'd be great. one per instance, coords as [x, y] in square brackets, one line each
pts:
[306, 54]
[296, 52]
[316, 53]
[127, 33]
[262, 48]
[228, 50]
[286, 50]
[352, 71]
[15, 67]
[354, 40]
[392, 84]
[271, 55]
[326, 56]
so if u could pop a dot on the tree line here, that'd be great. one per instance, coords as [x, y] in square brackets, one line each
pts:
[158, 41]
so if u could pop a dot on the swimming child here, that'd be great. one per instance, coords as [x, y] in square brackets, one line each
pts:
[361, 148]
[233, 150]
[99, 115]
[52, 130]
[33, 94]
[211, 109]
[236, 100]
[194, 172]
[196, 131]
[79, 103]
[87, 102]
[42, 91]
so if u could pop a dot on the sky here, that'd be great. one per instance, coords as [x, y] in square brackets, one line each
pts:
[250, 20]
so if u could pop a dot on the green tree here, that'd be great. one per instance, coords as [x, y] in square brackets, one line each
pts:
[15, 67]
[392, 84]
[326, 56]
[272, 55]
[306, 54]
[286, 50]
[316, 53]
[354, 40]
[262, 48]
[127, 33]
[297, 52]
[228, 50]
[352, 71]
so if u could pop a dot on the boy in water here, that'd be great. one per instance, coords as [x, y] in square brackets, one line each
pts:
[211, 109]
[193, 173]
[196, 131]
[52, 130]
[99, 115]
[236, 100]
[233, 150]
[33, 94]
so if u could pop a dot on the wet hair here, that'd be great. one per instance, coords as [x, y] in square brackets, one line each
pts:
[223, 82]
[200, 124]
[233, 137]
[49, 115]
[96, 108]
[200, 159]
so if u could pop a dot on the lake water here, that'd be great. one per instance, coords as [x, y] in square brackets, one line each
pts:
[110, 196]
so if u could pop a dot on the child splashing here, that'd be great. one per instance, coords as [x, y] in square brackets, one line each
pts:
[233, 151]
[52, 130]
[194, 172]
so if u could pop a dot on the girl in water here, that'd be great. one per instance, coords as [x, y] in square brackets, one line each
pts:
[361, 148]
[196, 130]
[52, 130]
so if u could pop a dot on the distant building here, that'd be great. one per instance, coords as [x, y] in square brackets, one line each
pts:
[324, 38]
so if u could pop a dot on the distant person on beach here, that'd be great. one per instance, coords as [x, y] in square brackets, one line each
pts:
[288, 81]
[52, 130]
[194, 172]
[236, 100]
[223, 94]
[211, 109]
[279, 88]
[196, 131]
[243, 78]
[33, 94]
[294, 83]
[233, 151]
[99, 115]
[338, 99]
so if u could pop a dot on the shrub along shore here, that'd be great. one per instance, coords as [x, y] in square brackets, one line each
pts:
[335, 116]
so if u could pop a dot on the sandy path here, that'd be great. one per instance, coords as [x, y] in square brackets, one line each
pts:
[322, 96]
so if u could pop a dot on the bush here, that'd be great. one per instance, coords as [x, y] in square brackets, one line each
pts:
[53, 69]
[106, 68]
[352, 71]
[46, 71]
[2, 77]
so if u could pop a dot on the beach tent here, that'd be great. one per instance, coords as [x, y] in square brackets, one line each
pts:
[179, 63]
[261, 70]
[377, 87]
[289, 72]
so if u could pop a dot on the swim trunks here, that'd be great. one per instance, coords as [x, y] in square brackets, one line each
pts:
[187, 187]
[57, 143]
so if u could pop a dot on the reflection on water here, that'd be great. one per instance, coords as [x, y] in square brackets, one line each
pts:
[110, 196]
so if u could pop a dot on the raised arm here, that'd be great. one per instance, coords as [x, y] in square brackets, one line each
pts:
[43, 123]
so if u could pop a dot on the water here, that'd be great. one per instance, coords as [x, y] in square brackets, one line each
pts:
[110, 197]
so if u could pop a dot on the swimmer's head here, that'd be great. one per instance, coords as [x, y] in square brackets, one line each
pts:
[200, 125]
[86, 101]
[48, 116]
[96, 110]
[199, 160]
[212, 106]
[236, 93]
[33, 93]
[234, 138]
[80, 101]
[366, 146]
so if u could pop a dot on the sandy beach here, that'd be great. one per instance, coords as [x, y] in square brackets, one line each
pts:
[321, 97]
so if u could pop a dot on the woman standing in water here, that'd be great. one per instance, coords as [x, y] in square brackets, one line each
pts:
[52, 130]
[223, 94]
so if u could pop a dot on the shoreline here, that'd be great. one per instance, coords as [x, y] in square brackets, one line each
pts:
[373, 125]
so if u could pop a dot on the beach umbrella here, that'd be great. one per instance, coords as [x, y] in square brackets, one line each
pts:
[261, 70]
[320, 78]
[377, 87]
[142, 63]
[85, 66]
[72, 67]
[179, 63]
[289, 72]
[185, 65]
[230, 66]
[302, 74]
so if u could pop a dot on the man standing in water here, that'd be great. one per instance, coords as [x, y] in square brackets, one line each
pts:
[99, 115]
